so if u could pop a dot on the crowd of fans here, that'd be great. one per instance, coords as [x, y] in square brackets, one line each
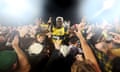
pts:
[60, 47]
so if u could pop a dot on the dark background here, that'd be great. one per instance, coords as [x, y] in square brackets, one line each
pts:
[65, 8]
[71, 10]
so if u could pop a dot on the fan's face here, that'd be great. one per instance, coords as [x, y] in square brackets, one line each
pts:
[79, 57]
[41, 39]
[59, 23]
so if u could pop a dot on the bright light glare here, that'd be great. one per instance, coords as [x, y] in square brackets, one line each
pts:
[16, 7]
[21, 11]
[95, 10]
[108, 4]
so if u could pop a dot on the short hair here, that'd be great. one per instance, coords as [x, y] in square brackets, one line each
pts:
[59, 18]
[82, 66]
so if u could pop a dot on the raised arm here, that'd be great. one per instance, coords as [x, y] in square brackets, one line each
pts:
[86, 48]
[24, 65]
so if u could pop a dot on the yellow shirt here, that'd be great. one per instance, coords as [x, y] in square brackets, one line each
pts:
[58, 32]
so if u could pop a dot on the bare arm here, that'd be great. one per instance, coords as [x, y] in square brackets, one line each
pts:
[86, 49]
[24, 65]
[116, 38]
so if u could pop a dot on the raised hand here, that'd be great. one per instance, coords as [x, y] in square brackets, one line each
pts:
[50, 20]
[116, 38]
[79, 28]
[15, 42]
[57, 44]
[24, 65]
[67, 24]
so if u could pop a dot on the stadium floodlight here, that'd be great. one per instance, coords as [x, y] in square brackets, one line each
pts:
[16, 7]
[108, 4]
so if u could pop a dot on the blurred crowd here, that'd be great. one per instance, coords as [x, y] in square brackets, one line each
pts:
[60, 46]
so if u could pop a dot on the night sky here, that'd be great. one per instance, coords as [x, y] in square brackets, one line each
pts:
[64, 8]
